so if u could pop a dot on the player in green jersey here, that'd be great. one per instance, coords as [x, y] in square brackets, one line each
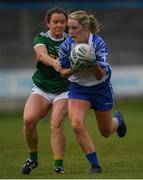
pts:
[49, 90]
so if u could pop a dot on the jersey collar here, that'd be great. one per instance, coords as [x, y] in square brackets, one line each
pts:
[55, 39]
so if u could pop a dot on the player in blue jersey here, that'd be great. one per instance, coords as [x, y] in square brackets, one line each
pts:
[90, 87]
[49, 91]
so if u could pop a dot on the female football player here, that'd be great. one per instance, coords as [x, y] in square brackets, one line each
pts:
[90, 87]
[49, 91]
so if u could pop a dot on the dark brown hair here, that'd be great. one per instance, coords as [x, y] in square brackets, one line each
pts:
[52, 11]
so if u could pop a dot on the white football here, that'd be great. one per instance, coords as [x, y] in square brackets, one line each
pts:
[82, 50]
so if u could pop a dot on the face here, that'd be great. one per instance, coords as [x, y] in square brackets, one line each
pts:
[57, 25]
[77, 31]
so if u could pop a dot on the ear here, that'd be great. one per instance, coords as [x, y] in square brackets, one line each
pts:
[86, 27]
[48, 25]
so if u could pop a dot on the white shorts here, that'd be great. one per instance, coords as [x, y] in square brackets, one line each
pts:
[50, 96]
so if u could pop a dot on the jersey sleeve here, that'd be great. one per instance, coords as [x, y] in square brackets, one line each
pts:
[64, 54]
[39, 39]
[101, 54]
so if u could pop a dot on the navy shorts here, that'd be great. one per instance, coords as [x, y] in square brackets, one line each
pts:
[100, 96]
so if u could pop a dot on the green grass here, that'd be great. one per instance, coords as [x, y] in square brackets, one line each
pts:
[120, 158]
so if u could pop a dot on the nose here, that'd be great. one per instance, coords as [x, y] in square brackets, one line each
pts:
[59, 24]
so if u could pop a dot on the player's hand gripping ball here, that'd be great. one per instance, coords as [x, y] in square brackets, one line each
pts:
[82, 55]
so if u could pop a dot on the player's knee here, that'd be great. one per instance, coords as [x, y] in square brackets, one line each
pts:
[29, 122]
[56, 124]
[78, 128]
[56, 127]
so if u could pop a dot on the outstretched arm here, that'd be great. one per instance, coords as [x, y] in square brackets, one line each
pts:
[42, 55]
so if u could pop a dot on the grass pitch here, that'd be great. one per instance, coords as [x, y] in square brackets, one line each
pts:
[119, 158]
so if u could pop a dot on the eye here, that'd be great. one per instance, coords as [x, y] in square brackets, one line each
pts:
[55, 22]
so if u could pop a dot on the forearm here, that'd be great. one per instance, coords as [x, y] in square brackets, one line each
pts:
[98, 71]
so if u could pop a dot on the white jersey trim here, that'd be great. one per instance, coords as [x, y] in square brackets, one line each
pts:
[40, 44]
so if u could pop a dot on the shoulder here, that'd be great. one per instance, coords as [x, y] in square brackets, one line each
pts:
[68, 41]
[42, 35]
[98, 42]
[65, 47]
[65, 35]
[97, 39]
[41, 38]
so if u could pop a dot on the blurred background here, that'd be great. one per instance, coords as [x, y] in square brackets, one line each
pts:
[21, 21]
[122, 20]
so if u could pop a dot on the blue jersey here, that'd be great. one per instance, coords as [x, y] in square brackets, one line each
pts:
[85, 77]
[83, 84]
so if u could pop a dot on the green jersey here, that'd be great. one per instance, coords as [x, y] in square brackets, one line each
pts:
[46, 77]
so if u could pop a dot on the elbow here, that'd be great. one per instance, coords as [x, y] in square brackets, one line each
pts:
[40, 56]
[99, 77]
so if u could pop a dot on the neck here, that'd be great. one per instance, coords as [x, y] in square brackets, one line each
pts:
[85, 38]
[56, 37]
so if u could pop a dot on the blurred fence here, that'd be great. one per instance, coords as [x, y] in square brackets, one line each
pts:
[20, 21]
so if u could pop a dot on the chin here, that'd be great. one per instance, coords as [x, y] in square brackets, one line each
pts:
[75, 39]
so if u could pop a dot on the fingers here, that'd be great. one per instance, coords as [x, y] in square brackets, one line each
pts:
[57, 65]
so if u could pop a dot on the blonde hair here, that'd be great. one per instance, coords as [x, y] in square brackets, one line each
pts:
[86, 20]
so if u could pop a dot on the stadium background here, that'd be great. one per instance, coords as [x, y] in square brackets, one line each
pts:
[123, 27]
[20, 21]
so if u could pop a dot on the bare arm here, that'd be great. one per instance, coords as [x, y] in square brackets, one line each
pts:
[42, 55]
[98, 71]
